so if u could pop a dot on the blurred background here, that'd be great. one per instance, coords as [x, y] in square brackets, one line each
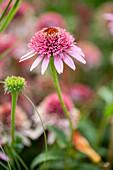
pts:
[90, 86]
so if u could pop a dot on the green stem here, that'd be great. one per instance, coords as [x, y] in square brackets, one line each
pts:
[9, 166]
[40, 120]
[57, 87]
[14, 101]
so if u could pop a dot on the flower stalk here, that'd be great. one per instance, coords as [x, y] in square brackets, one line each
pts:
[13, 85]
[14, 102]
[57, 87]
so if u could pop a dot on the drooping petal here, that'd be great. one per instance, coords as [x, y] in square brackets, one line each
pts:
[78, 50]
[26, 58]
[45, 64]
[69, 61]
[36, 62]
[29, 53]
[58, 64]
[77, 57]
[82, 145]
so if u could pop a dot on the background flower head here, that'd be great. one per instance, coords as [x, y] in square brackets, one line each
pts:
[52, 114]
[80, 92]
[22, 124]
[109, 17]
[92, 53]
[50, 19]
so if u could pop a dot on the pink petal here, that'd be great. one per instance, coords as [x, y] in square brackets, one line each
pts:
[77, 57]
[36, 62]
[78, 50]
[69, 61]
[108, 16]
[58, 64]
[29, 53]
[45, 64]
[26, 58]
[4, 157]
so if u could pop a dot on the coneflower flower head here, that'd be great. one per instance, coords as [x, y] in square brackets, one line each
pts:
[53, 41]
[14, 84]
[109, 17]
[50, 19]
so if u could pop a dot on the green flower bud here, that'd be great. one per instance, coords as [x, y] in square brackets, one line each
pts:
[14, 84]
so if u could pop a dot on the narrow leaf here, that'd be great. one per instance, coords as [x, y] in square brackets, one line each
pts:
[10, 15]
[52, 155]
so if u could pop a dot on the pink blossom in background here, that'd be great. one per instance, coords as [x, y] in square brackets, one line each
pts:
[109, 17]
[50, 19]
[52, 114]
[92, 53]
[7, 40]
[22, 124]
[4, 157]
[80, 92]
[56, 41]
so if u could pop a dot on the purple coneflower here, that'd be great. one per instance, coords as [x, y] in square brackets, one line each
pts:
[92, 53]
[109, 17]
[50, 19]
[80, 92]
[52, 113]
[22, 124]
[53, 41]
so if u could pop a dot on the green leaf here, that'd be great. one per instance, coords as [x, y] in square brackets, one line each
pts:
[10, 15]
[108, 110]
[86, 166]
[52, 155]
[3, 14]
[61, 136]
[106, 94]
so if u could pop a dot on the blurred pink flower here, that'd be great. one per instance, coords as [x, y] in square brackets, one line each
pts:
[57, 42]
[7, 41]
[52, 114]
[80, 92]
[4, 157]
[50, 19]
[92, 53]
[109, 17]
[22, 124]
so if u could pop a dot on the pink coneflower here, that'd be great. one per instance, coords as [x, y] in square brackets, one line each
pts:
[109, 17]
[7, 40]
[50, 19]
[80, 92]
[92, 53]
[52, 113]
[22, 124]
[53, 41]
